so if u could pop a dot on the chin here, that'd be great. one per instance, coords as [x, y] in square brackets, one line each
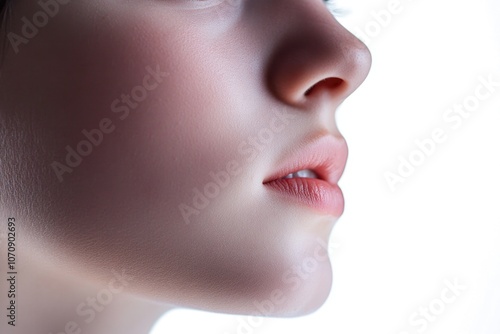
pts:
[308, 297]
[269, 293]
[293, 296]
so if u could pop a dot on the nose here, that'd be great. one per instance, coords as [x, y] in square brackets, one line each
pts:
[313, 54]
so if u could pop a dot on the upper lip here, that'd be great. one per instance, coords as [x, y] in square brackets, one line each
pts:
[326, 156]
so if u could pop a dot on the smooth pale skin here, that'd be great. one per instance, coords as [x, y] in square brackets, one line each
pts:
[228, 66]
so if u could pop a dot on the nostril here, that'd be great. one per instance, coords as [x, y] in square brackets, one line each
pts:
[329, 84]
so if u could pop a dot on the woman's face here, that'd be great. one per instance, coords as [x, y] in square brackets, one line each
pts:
[143, 132]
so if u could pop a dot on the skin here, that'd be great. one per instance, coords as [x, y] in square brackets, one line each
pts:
[227, 68]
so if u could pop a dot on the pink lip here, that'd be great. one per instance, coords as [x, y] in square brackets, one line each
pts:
[327, 158]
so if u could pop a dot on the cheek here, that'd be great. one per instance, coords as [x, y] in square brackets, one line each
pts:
[124, 185]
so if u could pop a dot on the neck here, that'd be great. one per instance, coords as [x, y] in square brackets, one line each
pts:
[50, 300]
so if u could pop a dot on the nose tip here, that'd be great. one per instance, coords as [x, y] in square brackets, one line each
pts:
[322, 58]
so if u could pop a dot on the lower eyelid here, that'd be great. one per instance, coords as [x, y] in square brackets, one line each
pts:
[193, 4]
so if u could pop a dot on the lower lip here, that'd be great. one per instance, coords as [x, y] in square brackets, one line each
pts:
[314, 193]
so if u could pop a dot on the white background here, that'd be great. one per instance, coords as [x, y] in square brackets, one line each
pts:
[395, 249]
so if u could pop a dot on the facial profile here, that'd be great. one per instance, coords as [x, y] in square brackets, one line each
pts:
[153, 137]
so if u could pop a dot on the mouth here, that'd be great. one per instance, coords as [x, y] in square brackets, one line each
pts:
[309, 177]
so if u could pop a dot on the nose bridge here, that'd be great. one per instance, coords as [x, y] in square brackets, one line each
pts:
[312, 51]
